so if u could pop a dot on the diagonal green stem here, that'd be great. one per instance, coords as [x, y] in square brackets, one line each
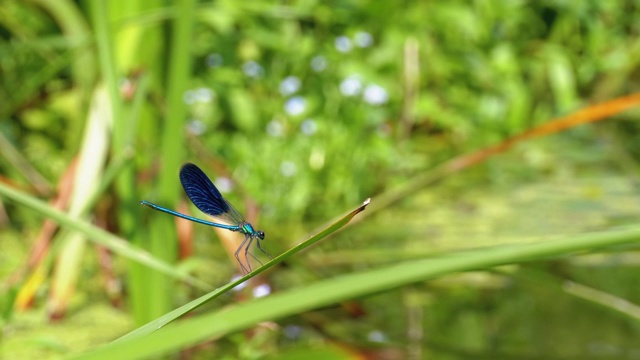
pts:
[169, 317]
[99, 236]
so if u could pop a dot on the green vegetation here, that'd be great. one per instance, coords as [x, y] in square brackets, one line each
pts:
[300, 111]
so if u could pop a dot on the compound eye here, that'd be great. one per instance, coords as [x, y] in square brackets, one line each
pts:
[261, 235]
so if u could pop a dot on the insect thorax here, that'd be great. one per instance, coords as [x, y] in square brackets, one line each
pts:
[246, 228]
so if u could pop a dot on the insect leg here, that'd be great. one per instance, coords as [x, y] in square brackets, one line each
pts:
[237, 255]
[246, 251]
[263, 250]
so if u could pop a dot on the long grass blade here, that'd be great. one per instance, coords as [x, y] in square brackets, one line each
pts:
[277, 306]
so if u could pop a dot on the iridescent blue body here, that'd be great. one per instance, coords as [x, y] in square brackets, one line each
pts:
[206, 197]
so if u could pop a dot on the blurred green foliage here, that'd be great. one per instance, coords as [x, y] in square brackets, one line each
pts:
[309, 107]
[486, 70]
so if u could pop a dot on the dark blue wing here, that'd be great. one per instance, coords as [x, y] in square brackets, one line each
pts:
[206, 197]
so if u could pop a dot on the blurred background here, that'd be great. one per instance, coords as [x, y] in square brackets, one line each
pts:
[298, 111]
